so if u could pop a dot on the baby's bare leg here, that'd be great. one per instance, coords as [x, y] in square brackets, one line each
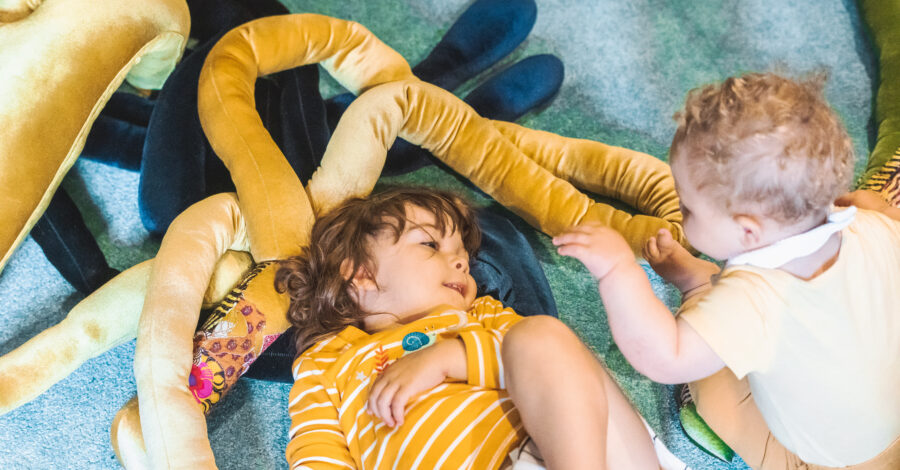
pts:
[676, 265]
[569, 405]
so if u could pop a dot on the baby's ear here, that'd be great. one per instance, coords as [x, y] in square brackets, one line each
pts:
[362, 279]
[751, 227]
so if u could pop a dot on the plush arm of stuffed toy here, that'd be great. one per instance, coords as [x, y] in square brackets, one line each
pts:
[110, 316]
[100, 322]
[103, 320]
[59, 63]
[883, 19]
[15, 10]
[530, 172]
[169, 415]
[278, 211]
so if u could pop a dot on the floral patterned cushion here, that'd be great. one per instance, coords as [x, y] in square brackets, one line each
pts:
[245, 323]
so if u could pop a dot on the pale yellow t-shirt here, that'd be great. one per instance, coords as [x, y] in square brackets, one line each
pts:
[822, 356]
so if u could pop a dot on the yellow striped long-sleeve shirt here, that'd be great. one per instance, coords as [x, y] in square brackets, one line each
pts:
[455, 425]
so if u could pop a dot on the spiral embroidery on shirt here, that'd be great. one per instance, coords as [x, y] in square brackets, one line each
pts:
[415, 341]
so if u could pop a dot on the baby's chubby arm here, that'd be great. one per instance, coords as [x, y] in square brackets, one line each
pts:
[414, 374]
[658, 345]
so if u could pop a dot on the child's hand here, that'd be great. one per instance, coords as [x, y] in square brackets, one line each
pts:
[411, 375]
[863, 199]
[869, 200]
[599, 248]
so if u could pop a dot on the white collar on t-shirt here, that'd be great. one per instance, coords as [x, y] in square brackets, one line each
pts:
[797, 246]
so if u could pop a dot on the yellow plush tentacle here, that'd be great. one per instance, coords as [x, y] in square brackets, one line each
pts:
[126, 438]
[58, 67]
[174, 427]
[101, 321]
[279, 213]
[637, 179]
[475, 147]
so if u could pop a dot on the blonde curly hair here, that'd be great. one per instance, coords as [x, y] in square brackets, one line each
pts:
[765, 144]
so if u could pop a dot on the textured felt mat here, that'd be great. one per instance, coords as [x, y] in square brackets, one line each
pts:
[628, 67]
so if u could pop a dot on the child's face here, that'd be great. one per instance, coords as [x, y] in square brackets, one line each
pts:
[707, 226]
[420, 271]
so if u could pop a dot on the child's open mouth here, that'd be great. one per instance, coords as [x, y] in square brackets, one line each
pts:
[458, 287]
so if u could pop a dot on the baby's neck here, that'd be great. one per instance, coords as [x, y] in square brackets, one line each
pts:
[810, 266]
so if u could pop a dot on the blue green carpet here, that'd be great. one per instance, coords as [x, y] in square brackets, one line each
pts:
[628, 67]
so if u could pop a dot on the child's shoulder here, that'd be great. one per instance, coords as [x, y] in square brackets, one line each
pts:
[333, 346]
[332, 353]
[487, 303]
[870, 223]
[874, 241]
[737, 287]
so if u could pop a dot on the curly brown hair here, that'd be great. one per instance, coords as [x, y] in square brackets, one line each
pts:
[765, 144]
[322, 300]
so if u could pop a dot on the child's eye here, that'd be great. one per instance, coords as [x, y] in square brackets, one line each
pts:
[430, 244]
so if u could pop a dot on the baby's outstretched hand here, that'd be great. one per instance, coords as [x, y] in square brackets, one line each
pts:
[412, 375]
[598, 247]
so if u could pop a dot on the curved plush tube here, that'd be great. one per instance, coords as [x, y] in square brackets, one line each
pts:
[532, 173]
[102, 321]
[59, 64]
[164, 351]
[280, 214]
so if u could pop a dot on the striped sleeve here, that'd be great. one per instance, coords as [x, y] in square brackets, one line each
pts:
[315, 438]
[483, 339]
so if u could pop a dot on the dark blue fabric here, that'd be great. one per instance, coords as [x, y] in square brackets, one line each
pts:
[115, 142]
[70, 246]
[525, 86]
[179, 167]
[487, 31]
[506, 268]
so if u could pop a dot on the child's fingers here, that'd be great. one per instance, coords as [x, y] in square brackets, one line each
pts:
[651, 249]
[586, 234]
[384, 405]
[567, 238]
[374, 394]
[664, 236]
[572, 249]
[398, 406]
[379, 393]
